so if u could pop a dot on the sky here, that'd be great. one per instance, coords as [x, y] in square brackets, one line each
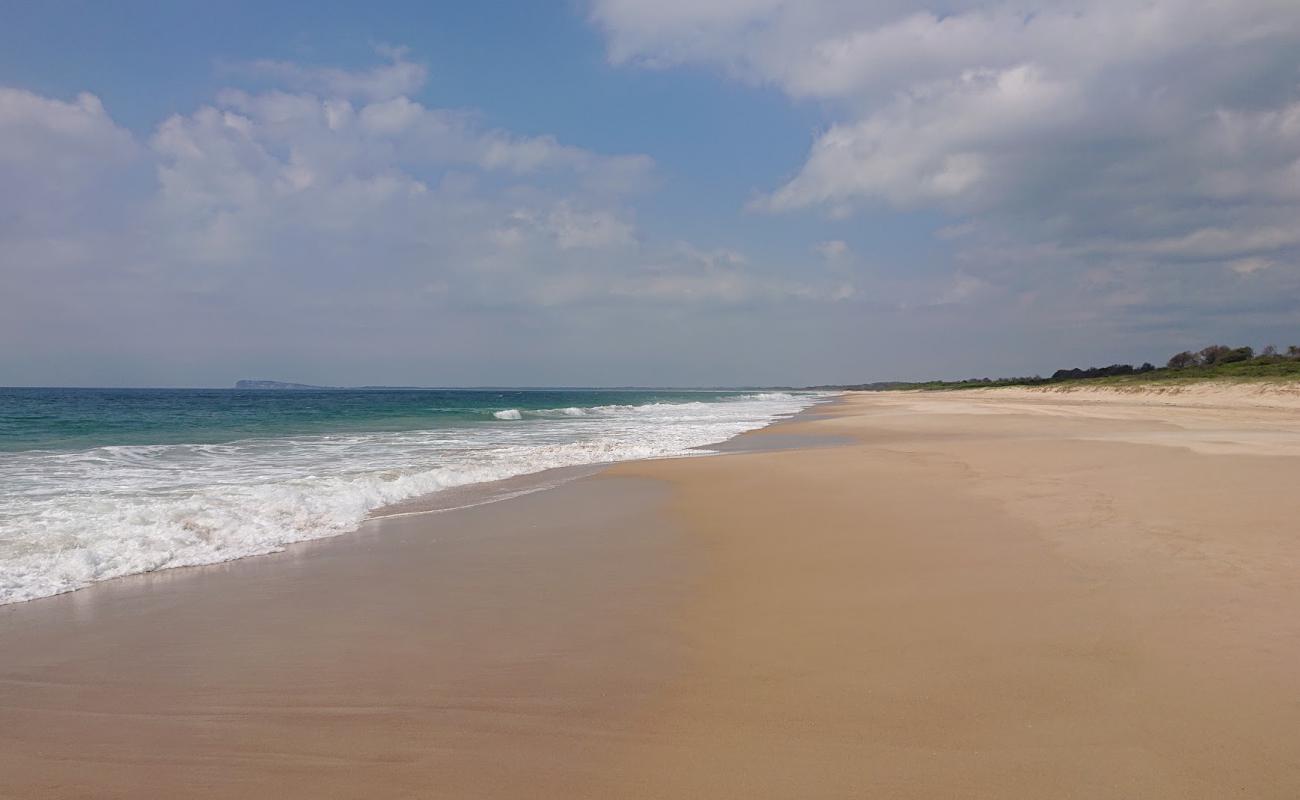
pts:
[623, 192]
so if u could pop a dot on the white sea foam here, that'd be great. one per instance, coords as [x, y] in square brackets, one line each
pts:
[68, 519]
[769, 396]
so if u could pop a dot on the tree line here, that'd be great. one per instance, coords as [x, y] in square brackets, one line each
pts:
[1217, 354]
[1213, 356]
[1214, 361]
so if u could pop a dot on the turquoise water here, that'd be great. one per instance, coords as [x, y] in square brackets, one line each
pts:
[101, 483]
[77, 418]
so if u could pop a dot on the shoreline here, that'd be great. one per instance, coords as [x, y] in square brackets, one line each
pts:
[455, 496]
[426, 645]
[476, 494]
[486, 541]
[978, 597]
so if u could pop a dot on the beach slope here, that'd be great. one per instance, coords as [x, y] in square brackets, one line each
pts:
[913, 595]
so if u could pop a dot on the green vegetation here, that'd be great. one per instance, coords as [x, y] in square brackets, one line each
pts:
[1216, 362]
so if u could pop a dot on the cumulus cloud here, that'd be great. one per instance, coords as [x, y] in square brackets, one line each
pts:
[50, 151]
[1150, 136]
[503, 219]
[73, 138]
[1100, 165]
[334, 201]
[71, 182]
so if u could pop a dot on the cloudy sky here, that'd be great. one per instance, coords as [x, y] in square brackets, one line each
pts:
[686, 192]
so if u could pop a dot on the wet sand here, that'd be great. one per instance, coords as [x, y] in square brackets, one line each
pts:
[502, 650]
[981, 595]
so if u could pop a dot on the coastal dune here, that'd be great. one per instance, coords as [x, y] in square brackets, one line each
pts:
[988, 594]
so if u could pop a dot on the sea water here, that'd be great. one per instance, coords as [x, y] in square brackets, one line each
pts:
[101, 483]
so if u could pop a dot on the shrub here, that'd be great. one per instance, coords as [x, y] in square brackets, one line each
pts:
[1237, 355]
[1184, 359]
[1214, 354]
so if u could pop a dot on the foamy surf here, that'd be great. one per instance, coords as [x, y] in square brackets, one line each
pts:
[71, 518]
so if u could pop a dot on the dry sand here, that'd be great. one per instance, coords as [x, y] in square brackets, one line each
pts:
[999, 594]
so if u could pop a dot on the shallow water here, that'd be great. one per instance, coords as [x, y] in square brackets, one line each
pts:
[103, 483]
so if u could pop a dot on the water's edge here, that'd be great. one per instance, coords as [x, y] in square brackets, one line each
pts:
[446, 499]
[456, 498]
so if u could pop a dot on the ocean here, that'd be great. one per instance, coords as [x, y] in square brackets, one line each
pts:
[101, 483]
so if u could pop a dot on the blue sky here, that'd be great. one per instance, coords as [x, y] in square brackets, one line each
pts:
[614, 192]
[533, 68]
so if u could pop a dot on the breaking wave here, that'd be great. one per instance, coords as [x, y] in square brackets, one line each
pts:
[70, 518]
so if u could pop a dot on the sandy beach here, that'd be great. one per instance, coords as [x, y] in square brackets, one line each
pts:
[983, 594]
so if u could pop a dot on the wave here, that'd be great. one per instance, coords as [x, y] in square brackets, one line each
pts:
[68, 519]
[646, 408]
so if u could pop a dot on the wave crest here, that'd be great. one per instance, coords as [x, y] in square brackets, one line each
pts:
[70, 518]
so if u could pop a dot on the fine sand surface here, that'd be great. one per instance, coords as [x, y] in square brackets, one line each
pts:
[995, 594]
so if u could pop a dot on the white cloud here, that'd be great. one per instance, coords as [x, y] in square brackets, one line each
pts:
[594, 229]
[833, 249]
[71, 137]
[671, 31]
[567, 227]
[1167, 131]
[687, 274]
[396, 78]
[50, 152]
[937, 143]
[1248, 266]
[1056, 142]
[1220, 243]
[259, 173]
[332, 202]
